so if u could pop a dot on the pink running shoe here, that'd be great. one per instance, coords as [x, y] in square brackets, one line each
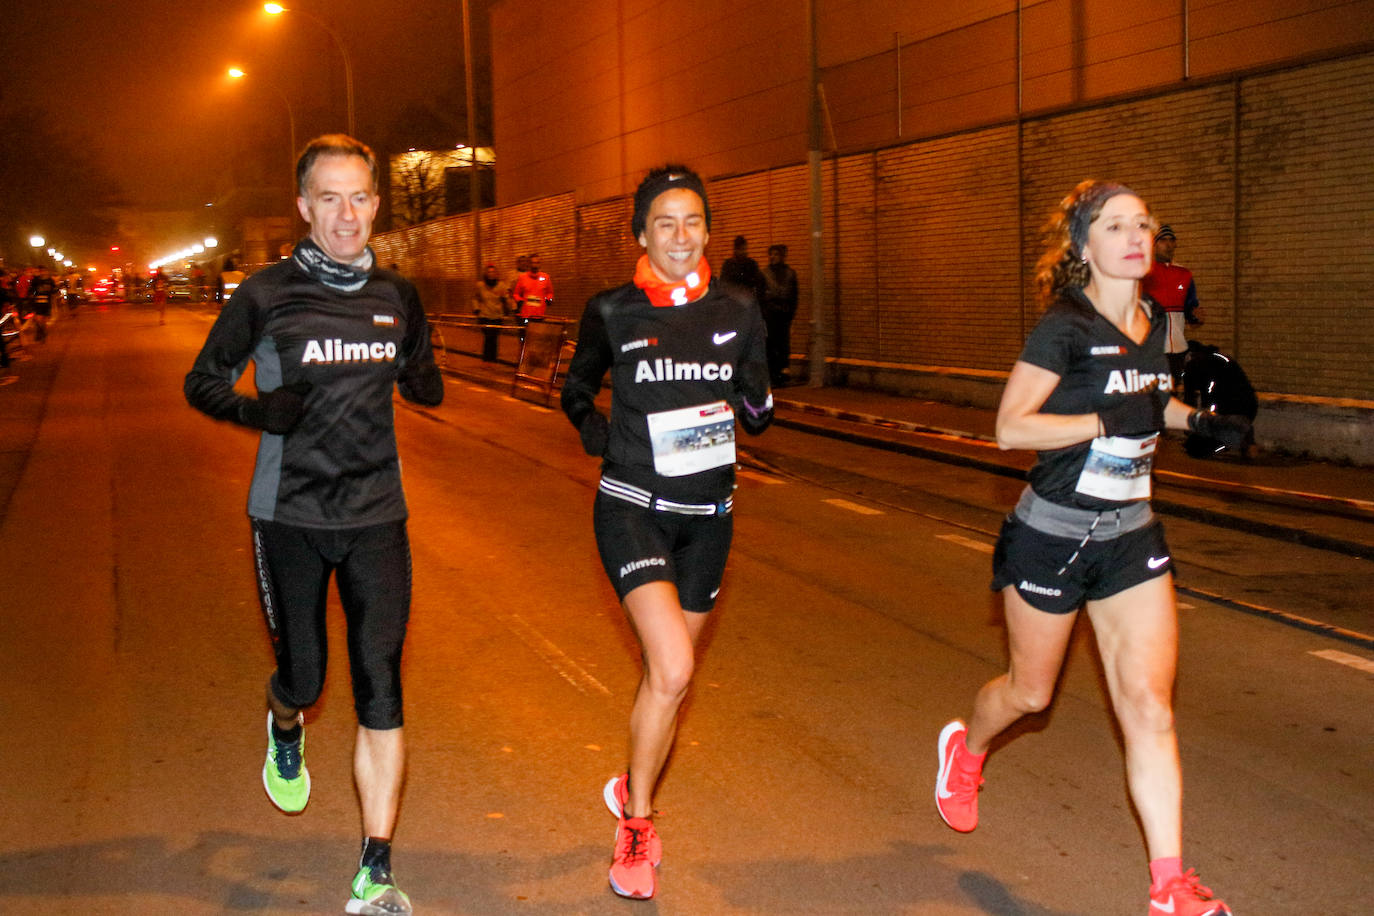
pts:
[616, 794]
[632, 873]
[956, 786]
[1185, 896]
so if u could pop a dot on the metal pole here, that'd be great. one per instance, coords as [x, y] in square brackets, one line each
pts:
[1187, 64]
[474, 185]
[897, 52]
[348, 64]
[815, 376]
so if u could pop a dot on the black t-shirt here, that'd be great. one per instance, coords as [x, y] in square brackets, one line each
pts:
[338, 467]
[663, 359]
[1097, 365]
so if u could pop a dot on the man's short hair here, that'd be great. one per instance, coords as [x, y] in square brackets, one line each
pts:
[332, 145]
[780, 249]
[741, 241]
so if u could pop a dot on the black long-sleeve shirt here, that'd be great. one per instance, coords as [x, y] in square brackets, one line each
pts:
[663, 359]
[338, 467]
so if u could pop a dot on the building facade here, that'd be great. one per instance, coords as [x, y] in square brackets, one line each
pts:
[950, 133]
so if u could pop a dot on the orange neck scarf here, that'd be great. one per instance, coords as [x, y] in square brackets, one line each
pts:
[665, 295]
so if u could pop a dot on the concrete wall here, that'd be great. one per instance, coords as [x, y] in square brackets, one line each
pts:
[1267, 177]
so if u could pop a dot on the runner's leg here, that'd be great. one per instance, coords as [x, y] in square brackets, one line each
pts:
[667, 637]
[1137, 636]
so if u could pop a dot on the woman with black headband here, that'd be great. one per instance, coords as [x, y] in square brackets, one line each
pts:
[687, 363]
[1091, 392]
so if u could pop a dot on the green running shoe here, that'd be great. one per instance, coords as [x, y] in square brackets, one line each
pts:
[375, 894]
[284, 775]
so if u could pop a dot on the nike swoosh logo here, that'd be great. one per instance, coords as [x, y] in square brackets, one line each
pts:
[1156, 562]
[943, 781]
[1163, 907]
[724, 338]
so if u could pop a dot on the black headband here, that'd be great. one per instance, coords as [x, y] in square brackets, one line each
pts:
[1080, 214]
[656, 184]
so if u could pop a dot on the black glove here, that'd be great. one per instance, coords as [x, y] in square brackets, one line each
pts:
[1134, 415]
[279, 410]
[596, 433]
[1231, 430]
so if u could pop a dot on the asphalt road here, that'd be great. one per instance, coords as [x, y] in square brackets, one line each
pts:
[854, 622]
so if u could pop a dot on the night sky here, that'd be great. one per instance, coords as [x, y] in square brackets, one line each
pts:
[142, 84]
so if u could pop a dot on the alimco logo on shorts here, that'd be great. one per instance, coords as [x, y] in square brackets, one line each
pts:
[641, 564]
[1045, 590]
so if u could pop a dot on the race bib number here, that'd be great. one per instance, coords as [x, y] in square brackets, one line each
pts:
[692, 439]
[1118, 468]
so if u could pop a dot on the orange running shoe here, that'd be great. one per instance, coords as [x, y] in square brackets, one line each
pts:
[616, 793]
[956, 785]
[632, 871]
[1185, 896]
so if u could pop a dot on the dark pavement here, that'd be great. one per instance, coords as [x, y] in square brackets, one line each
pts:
[132, 647]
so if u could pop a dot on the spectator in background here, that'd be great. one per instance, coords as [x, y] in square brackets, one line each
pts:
[779, 306]
[522, 264]
[1172, 288]
[533, 292]
[491, 304]
[741, 272]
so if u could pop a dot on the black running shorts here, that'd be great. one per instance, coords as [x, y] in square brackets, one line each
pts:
[372, 568]
[639, 544]
[1047, 574]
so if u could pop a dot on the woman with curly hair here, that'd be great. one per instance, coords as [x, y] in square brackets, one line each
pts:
[1090, 393]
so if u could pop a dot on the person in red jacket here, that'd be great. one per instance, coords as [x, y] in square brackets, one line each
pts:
[1173, 289]
[533, 293]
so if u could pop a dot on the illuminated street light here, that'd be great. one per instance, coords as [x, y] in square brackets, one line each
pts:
[37, 241]
[211, 242]
[276, 9]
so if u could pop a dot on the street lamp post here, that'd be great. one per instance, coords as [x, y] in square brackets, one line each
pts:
[238, 74]
[474, 182]
[277, 9]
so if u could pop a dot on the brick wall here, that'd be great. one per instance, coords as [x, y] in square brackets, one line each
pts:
[930, 245]
[1306, 230]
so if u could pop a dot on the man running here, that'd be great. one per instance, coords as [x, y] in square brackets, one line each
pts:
[329, 334]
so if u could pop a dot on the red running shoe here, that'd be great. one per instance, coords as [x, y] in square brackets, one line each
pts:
[616, 794]
[956, 786]
[1185, 896]
[632, 871]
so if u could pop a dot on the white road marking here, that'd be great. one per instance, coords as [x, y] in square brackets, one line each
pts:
[853, 507]
[1185, 606]
[756, 476]
[556, 658]
[1345, 658]
[478, 388]
[966, 542]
